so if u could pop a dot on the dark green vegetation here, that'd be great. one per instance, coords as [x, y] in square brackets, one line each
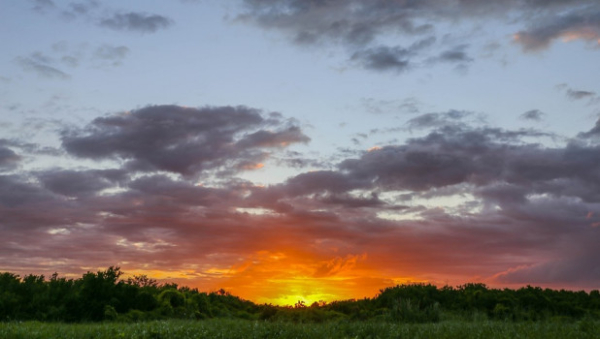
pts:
[233, 328]
[104, 296]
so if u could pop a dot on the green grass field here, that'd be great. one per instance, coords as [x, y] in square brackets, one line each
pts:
[220, 328]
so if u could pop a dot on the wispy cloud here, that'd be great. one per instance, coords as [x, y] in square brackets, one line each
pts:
[133, 21]
[42, 65]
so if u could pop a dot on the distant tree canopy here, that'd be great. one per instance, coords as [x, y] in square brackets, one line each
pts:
[104, 296]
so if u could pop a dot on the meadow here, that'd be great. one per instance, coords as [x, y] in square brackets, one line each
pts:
[237, 328]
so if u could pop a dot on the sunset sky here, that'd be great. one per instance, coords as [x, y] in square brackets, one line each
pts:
[309, 150]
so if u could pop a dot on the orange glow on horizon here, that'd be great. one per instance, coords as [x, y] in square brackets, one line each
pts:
[284, 278]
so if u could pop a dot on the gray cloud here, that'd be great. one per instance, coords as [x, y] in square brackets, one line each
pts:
[8, 158]
[408, 105]
[90, 11]
[594, 132]
[42, 65]
[576, 95]
[533, 115]
[132, 21]
[43, 6]
[312, 22]
[363, 26]
[80, 182]
[431, 120]
[183, 192]
[397, 58]
[64, 54]
[15, 192]
[70, 61]
[298, 160]
[571, 270]
[281, 138]
[453, 155]
[83, 7]
[31, 148]
[320, 181]
[111, 54]
[577, 24]
[455, 55]
[383, 58]
[182, 140]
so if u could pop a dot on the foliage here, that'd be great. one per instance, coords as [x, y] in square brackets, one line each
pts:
[102, 296]
[232, 328]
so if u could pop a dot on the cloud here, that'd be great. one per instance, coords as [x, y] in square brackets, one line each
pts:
[408, 105]
[319, 181]
[431, 120]
[533, 115]
[182, 140]
[452, 155]
[576, 95]
[354, 23]
[397, 58]
[93, 11]
[132, 21]
[417, 210]
[577, 24]
[565, 271]
[455, 55]
[8, 158]
[298, 160]
[594, 132]
[16, 192]
[336, 266]
[281, 138]
[42, 65]
[183, 193]
[74, 183]
[114, 55]
[29, 148]
[65, 54]
[43, 6]
[383, 58]
[357, 25]
[365, 28]
[83, 7]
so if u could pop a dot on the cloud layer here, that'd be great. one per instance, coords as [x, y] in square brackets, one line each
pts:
[182, 140]
[529, 213]
[366, 28]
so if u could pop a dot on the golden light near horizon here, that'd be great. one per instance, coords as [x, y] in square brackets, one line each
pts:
[281, 278]
[285, 278]
[302, 289]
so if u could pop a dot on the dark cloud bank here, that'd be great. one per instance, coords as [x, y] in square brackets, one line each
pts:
[362, 26]
[529, 213]
[182, 140]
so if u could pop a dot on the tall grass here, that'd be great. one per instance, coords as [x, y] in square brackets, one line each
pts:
[223, 328]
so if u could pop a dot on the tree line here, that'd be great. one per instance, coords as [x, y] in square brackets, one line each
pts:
[103, 296]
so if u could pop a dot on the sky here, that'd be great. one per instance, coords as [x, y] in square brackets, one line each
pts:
[290, 150]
